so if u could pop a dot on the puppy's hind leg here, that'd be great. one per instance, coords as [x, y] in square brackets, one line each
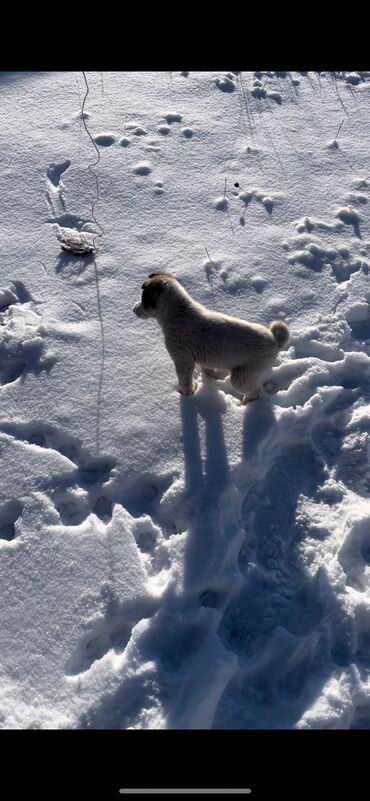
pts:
[213, 372]
[247, 382]
[210, 372]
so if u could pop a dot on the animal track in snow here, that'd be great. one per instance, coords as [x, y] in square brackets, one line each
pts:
[275, 96]
[274, 623]
[314, 254]
[173, 116]
[350, 216]
[353, 78]
[142, 495]
[15, 293]
[258, 91]
[354, 555]
[137, 130]
[55, 171]
[270, 621]
[232, 279]
[271, 511]
[212, 599]
[158, 188]
[72, 506]
[10, 512]
[146, 538]
[82, 490]
[91, 470]
[153, 546]
[111, 632]
[95, 645]
[173, 641]
[142, 168]
[22, 344]
[152, 145]
[104, 139]
[343, 438]
[308, 224]
[356, 197]
[103, 507]
[267, 199]
[67, 220]
[350, 638]
[90, 487]
[358, 318]
[307, 345]
[55, 199]
[55, 188]
[226, 84]
[353, 464]
[252, 151]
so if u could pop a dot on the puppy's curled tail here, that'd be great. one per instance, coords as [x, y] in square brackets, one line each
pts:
[280, 332]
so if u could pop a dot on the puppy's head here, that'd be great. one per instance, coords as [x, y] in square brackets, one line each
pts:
[153, 291]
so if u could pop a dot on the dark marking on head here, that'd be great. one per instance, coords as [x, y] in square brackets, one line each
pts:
[166, 275]
[153, 287]
[151, 293]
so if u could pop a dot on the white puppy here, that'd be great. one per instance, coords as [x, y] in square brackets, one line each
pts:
[194, 335]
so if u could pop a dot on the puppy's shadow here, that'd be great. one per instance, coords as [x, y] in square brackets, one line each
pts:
[205, 478]
[257, 423]
[207, 472]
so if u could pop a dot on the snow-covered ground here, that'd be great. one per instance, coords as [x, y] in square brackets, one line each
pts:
[166, 561]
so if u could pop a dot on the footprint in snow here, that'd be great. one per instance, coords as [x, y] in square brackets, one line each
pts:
[104, 139]
[142, 168]
[10, 512]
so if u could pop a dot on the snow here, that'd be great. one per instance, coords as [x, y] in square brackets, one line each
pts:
[167, 561]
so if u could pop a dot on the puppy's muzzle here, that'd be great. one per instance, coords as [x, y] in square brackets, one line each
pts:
[139, 310]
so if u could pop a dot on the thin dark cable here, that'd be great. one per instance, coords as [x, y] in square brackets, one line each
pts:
[101, 377]
[337, 133]
[93, 164]
[210, 258]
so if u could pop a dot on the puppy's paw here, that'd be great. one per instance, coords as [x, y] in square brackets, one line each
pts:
[249, 398]
[188, 391]
[270, 387]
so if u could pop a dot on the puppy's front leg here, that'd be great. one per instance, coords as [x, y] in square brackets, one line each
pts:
[185, 372]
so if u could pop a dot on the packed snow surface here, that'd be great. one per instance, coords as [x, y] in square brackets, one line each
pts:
[169, 561]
